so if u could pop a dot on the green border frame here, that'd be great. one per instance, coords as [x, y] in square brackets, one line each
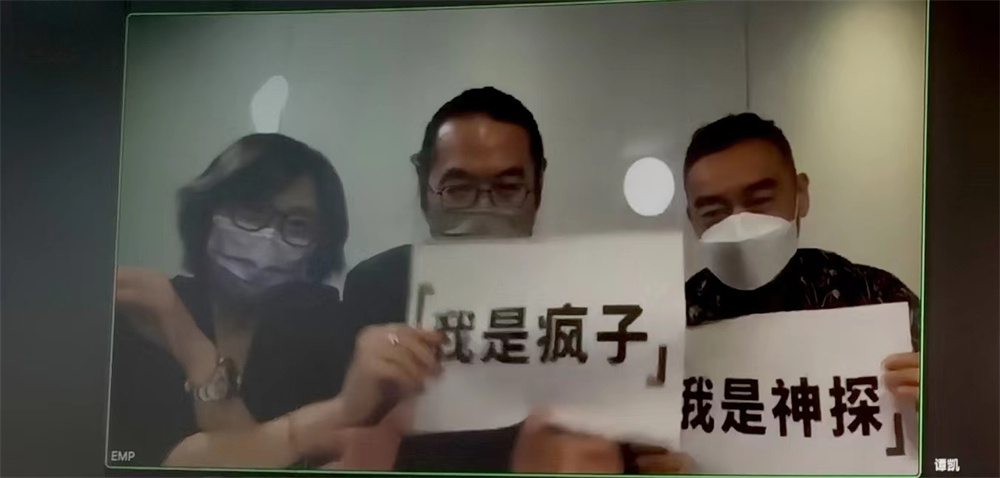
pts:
[417, 8]
[528, 3]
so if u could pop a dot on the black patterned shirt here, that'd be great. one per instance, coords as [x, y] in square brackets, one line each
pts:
[813, 279]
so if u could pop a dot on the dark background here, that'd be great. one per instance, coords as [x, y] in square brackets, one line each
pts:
[60, 121]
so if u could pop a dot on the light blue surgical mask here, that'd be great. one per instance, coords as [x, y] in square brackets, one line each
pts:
[249, 263]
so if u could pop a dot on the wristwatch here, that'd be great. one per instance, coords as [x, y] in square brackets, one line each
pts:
[224, 384]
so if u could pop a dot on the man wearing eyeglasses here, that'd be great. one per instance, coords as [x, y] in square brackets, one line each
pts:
[480, 171]
[480, 167]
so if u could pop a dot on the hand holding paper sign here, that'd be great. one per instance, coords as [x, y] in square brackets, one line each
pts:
[544, 448]
[656, 460]
[902, 375]
[799, 392]
[372, 448]
[391, 363]
[533, 324]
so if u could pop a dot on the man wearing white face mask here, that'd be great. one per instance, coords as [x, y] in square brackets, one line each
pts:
[746, 202]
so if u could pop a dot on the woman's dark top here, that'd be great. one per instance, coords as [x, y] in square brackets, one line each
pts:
[376, 292]
[297, 356]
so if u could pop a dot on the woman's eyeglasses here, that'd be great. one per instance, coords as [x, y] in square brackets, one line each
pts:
[463, 196]
[295, 229]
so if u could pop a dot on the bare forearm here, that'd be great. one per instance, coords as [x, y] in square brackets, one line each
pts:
[264, 446]
[192, 350]
[224, 415]
[317, 429]
[198, 357]
[199, 361]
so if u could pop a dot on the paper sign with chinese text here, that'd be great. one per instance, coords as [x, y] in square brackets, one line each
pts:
[591, 328]
[798, 393]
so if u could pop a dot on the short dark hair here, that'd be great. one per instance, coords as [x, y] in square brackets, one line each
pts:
[487, 101]
[731, 130]
[253, 169]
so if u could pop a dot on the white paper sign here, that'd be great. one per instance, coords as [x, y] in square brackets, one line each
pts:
[849, 343]
[611, 276]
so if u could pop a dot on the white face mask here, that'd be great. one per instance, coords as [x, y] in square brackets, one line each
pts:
[252, 262]
[748, 250]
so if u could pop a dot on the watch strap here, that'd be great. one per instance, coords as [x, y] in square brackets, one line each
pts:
[225, 372]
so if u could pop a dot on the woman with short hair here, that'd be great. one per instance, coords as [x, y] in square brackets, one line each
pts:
[253, 332]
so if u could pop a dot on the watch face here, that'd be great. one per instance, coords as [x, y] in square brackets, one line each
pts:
[218, 389]
[222, 385]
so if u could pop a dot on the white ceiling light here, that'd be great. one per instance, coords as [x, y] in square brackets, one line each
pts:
[649, 187]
